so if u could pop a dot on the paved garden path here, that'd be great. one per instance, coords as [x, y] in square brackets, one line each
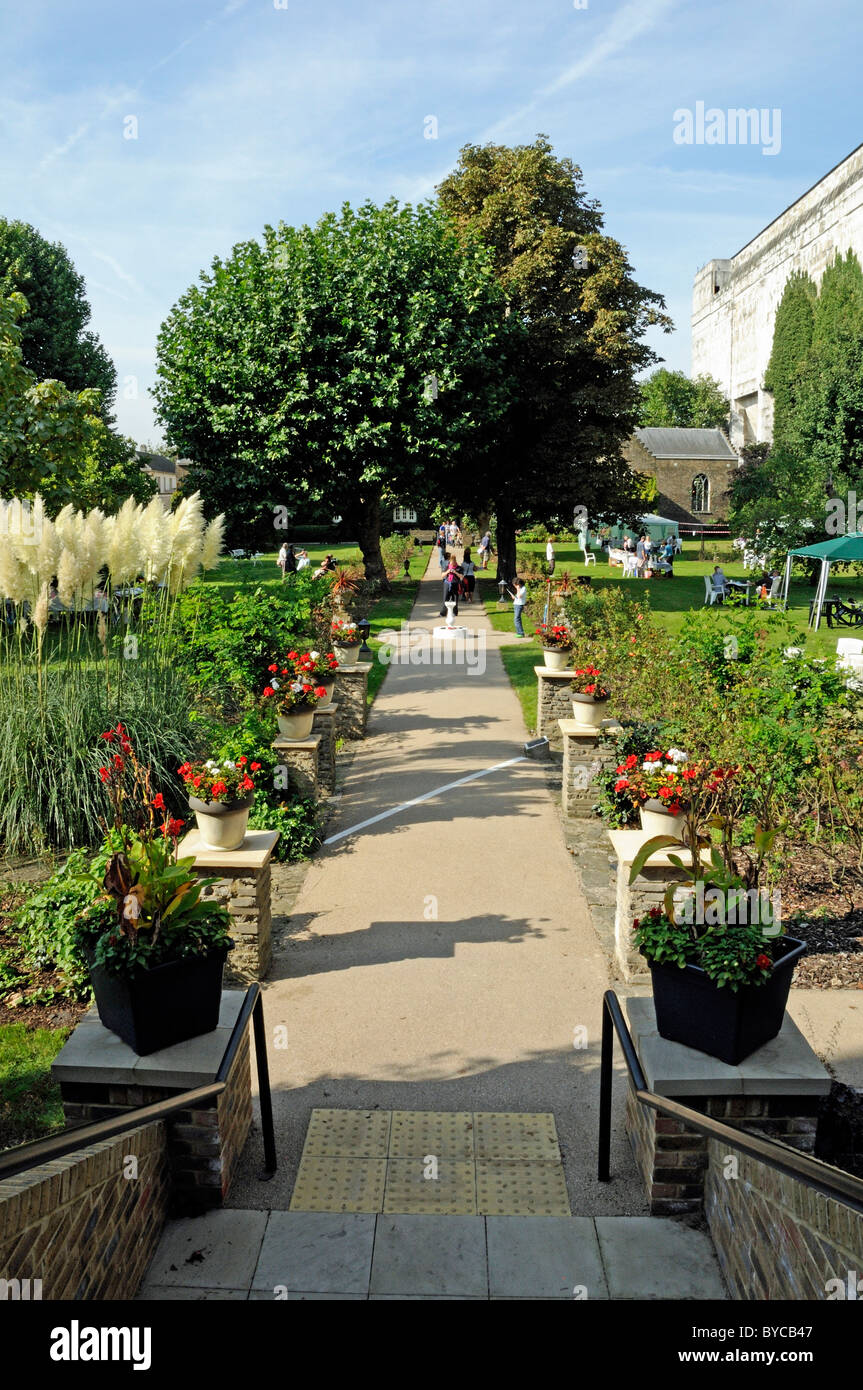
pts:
[442, 958]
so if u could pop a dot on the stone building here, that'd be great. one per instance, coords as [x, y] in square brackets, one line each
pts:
[692, 468]
[734, 301]
[167, 473]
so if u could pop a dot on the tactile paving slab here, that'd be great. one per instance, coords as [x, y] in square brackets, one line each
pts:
[417, 1133]
[490, 1163]
[339, 1184]
[508, 1135]
[445, 1185]
[520, 1188]
[348, 1134]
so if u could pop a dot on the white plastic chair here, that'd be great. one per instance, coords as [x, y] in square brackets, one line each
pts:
[849, 646]
[630, 565]
[589, 557]
[711, 594]
[238, 554]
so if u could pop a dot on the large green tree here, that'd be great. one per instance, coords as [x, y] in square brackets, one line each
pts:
[570, 288]
[674, 400]
[55, 341]
[358, 362]
[55, 441]
[792, 345]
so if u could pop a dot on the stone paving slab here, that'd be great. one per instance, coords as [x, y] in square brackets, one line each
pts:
[280, 1256]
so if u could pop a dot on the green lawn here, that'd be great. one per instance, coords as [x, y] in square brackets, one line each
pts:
[30, 1103]
[670, 600]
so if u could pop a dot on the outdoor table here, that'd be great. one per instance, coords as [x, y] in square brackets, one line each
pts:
[745, 584]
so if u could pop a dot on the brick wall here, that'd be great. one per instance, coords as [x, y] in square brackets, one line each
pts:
[326, 724]
[777, 1238]
[81, 1225]
[672, 1159]
[203, 1145]
[674, 482]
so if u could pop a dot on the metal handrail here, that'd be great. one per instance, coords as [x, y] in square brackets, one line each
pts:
[39, 1151]
[830, 1181]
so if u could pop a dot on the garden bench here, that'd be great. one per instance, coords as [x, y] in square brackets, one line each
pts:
[840, 613]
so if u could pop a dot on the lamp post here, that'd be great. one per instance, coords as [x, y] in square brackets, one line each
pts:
[366, 653]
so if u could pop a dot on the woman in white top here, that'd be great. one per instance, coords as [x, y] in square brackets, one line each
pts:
[549, 555]
[303, 560]
[282, 560]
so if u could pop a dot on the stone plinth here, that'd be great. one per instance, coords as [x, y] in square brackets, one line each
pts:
[352, 688]
[634, 900]
[326, 725]
[243, 887]
[583, 764]
[554, 703]
[300, 759]
[99, 1076]
[775, 1092]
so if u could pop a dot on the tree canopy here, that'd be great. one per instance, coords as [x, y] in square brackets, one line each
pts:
[571, 289]
[55, 441]
[673, 400]
[55, 342]
[359, 361]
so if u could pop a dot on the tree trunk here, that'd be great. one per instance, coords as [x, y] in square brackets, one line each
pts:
[368, 519]
[505, 542]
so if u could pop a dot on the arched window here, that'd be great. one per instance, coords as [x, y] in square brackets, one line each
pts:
[701, 493]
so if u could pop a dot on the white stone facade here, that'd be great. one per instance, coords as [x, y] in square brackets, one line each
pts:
[734, 301]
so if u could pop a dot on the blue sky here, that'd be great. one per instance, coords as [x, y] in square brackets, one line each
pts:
[248, 112]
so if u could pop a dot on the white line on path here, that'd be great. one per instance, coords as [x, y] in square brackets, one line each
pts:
[405, 805]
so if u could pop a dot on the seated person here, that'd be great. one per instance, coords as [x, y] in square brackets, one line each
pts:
[303, 560]
[718, 580]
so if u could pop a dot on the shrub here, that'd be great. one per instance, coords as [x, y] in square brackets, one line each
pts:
[394, 551]
[46, 921]
[50, 794]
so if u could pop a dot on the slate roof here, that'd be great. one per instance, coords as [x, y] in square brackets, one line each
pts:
[157, 463]
[686, 444]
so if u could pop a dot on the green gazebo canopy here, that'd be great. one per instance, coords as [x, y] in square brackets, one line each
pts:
[840, 548]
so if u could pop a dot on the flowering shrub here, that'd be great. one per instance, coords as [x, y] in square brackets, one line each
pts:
[589, 681]
[730, 955]
[219, 781]
[345, 633]
[556, 637]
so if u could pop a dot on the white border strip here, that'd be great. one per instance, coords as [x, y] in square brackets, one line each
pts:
[418, 800]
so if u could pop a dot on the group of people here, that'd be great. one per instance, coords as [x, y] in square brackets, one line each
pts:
[291, 561]
[459, 580]
[652, 555]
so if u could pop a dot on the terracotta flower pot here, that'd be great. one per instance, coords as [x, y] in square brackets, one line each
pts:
[298, 724]
[555, 660]
[222, 824]
[586, 710]
[347, 656]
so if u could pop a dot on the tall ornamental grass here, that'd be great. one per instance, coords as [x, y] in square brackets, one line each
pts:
[60, 690]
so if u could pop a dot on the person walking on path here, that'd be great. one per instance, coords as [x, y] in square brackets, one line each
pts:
[549, 556]
[485, 549]
[442, 556]
[469, 572]
[519, 599]
[291, 564]
[282, 559]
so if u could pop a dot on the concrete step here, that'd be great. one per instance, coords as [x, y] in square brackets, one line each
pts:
[261, 1255]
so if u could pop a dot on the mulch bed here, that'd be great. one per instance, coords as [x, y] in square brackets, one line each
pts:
[830, 922]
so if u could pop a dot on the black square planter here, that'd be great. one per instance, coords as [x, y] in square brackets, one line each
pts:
[730, 1026]
[165, 1005]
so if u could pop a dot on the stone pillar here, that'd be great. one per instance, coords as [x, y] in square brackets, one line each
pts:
[352, 688]
[775, 1092]
[326, 725]
[583, 763]
[634, 900]
[99, 1076]
[300, 757]
[554, 703]
[244, 887]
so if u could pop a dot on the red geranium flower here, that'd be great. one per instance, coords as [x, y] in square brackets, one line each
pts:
[268, 690]
[274, 668]
[622, 784]
[255, 767]
[242, 760]
[763, 962]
